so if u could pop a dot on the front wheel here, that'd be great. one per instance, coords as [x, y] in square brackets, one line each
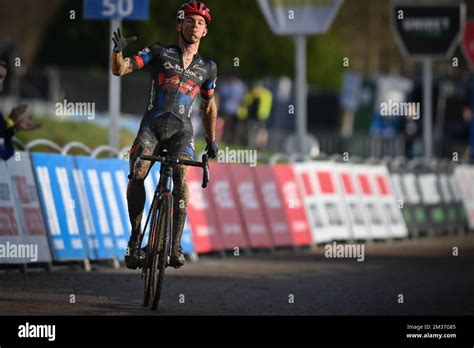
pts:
[148, 273]
[160, 261]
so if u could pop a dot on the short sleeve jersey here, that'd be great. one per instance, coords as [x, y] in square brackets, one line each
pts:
[173, 88]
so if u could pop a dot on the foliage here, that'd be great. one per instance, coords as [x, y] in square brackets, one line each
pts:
[238, 30]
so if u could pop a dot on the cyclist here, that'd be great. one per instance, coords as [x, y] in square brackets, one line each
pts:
[178, 73]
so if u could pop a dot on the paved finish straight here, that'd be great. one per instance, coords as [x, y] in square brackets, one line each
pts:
[431, 280]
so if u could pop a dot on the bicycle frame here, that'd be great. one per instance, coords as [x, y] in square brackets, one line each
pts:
[166, 176]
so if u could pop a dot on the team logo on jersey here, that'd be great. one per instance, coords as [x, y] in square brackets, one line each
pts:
[188, 72]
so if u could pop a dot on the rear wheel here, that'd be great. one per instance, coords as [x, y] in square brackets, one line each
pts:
[160, 262]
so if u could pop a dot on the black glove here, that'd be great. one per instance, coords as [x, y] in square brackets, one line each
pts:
[212, 149]
[120, 41]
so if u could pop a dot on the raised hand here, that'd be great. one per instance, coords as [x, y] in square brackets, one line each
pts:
[121, 42]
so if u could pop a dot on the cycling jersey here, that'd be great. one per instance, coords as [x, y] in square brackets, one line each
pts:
[173, 88]
[173, 91]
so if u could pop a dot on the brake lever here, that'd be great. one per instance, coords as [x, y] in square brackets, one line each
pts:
[205, 177]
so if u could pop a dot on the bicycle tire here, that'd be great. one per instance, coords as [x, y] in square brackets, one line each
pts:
[165, 221]
[148, 272]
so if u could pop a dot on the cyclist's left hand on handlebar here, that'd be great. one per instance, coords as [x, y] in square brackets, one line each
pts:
[212, 149]
[120, 41]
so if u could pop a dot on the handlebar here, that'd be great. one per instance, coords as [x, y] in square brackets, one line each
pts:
[175, 161]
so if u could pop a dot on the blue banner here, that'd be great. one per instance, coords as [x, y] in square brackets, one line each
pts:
[101, 228]
[60, 206]
[114, 174]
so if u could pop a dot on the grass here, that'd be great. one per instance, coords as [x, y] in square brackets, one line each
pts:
[62, 131]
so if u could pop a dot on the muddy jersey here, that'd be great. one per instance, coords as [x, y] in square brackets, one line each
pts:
[173, 88]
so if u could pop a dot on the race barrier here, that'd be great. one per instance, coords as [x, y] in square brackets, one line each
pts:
[323, 201]
[13, 238]
[452, 197]
[31, 220]
[410, 200]
[383, 187]
[101, 225]
[465, 178]
[431, 199]
[58, 196]
[202, 214]
[432, 196]
[299, 228]
[359, 217]
[251, 205]
[276, 208]
[74, 208]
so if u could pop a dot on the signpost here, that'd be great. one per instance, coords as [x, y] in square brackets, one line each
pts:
[300, 18]
[115, 11]
[468, 49]
[424, 33]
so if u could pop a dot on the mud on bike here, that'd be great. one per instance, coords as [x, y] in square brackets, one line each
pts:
[160, 217]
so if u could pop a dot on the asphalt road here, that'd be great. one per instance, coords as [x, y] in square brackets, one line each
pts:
[431, 280]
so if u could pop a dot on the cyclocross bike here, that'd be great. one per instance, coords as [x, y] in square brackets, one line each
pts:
[160, 215]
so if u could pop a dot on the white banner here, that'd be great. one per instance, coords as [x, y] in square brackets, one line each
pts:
[32, 224]
[323, 201]
[390, 206]
[355, 208]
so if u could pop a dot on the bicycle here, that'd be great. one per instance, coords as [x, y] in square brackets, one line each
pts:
[160, 235]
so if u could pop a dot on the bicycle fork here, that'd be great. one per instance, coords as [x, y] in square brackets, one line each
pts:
[165, 187]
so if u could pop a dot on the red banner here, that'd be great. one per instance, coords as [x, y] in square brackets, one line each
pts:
[251, 207]
[273, 202]
[226, 208]
[202, 215]
[293, 204]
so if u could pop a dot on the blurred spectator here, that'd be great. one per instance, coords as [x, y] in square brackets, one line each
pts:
[16, 121]
[231, 92]
[254, 112]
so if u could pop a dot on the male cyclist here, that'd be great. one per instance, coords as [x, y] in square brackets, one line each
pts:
[178, 73]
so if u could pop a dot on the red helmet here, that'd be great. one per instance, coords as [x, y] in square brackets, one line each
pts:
[193, 7]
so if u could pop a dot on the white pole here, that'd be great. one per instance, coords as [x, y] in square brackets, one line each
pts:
[300, 90]
[114, 95]
[427, 111]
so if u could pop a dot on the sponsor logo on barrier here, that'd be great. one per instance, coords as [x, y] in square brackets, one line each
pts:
[84, 109]
[37, 331]
[8, 223]
[222, 195]
[19, 251]
[4, 192]
[227, 155]
[345, 251]
[270, 195]
[198, 201]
